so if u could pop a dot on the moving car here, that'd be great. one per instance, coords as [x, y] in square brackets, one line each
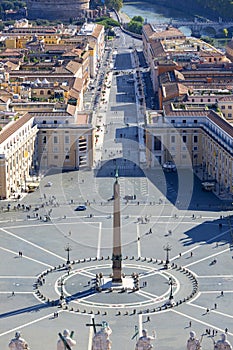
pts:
[80, 208]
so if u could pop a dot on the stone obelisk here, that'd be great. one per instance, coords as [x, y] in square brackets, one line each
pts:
[116, 254]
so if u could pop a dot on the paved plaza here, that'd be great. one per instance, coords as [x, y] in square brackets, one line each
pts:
[176, 238]
[196, 228]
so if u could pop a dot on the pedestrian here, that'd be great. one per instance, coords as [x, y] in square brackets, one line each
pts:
[222, 293]
[191, 254]
[215, 306]
[226, 330]
[148, 318]
[207, 310]
[180, 255]
[150, 231]
[13, 293]
[190, 324]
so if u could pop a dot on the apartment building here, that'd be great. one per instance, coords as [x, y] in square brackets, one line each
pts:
[64, 140]
[17, 147]
[192, 138]
[96, 38]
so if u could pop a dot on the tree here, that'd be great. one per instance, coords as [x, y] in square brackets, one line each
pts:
[225, 32]
[114, 4]
[138, 19]
[135, 27]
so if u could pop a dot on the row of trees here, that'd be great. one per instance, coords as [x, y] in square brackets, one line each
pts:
[11, 5]
[224, 8]
[110, 4]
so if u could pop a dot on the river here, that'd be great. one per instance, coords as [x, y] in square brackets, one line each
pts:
[156, 14]
[153, 13]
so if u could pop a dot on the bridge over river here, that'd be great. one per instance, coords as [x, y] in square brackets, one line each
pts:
[198, 26]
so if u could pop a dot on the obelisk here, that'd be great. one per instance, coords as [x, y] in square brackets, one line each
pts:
[116, 254]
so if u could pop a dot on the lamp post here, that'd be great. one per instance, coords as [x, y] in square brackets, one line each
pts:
[68, 249]
[171, 291]
[167, 248]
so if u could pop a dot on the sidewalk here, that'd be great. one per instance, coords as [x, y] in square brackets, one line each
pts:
[100, 119]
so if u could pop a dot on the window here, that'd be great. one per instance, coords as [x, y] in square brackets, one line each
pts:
[55, 149]
[223, 107]
[184, 121]
[195, 121]
[173, 139]
[67, 157]
[55, 139]
[55, 122]
[184, 137]
[44, 122]
[55, 157]
[229, 107]
[44, 139]
[157, 143]
[195, 138]
[173, 121]
[41, 92]
[229, 115]
[67, 139]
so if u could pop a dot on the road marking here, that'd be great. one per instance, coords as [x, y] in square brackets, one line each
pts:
[26, 324]
[140, 325]
[215, 311]
[207, 257]
[32, 244]
[216, 276]
[138, 240]
[91, 331]
[99, 240]
[199, 321]
[26, 257]
[26, 277]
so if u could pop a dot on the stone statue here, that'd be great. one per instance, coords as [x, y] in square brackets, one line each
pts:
[144, 342]
[18, 343]
[223, 343]
[193, 343]
[101, 339]
[65, 342]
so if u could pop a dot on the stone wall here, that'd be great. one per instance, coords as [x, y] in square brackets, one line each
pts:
[57, 9]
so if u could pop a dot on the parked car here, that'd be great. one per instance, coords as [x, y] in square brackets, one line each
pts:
[80, 208]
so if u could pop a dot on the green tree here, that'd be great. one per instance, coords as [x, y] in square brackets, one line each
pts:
[225, 32]
[138, 19]
[7, 5]
[114, 4]
[135, 27]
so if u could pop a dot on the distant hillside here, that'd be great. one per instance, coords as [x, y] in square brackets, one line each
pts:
[207, 8]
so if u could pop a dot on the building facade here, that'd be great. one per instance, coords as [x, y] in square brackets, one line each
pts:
[59, 9]
[17, 147]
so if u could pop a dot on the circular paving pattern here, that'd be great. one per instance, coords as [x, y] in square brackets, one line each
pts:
[75, 289]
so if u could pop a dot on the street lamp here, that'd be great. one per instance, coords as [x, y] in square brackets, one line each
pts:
[167, 248]
[68, 249]
[171, 291]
